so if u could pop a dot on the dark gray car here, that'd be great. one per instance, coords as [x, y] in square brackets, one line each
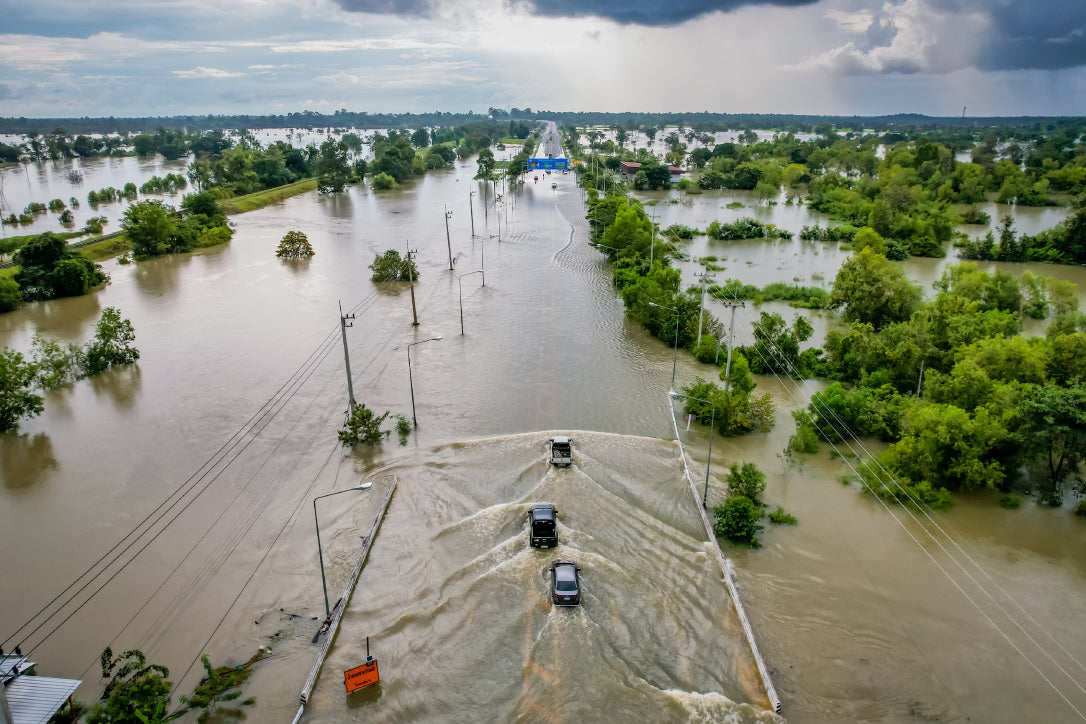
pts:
[565, 583]
[542, 526]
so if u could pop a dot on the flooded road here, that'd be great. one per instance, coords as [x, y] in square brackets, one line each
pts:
[229, 419]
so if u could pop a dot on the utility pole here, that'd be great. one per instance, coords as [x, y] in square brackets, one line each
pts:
[701, 309]
[411, 278]
[471, 210]
[447, 238]
[343, 318]
[731, 331]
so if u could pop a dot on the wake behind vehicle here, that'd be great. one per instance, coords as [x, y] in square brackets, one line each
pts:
[542, 526]
[561, 453]
[565, 583]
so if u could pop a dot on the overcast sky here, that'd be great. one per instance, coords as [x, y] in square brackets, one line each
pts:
[168, 57]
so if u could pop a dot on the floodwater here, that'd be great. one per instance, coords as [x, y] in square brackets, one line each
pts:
[228, 424]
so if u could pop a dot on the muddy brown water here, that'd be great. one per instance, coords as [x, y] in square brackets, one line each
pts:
[241, 368]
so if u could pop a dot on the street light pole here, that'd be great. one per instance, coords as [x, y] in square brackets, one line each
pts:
[461, 280]
[410, 379]
[712, 430]
[675, 356]
[320, 555]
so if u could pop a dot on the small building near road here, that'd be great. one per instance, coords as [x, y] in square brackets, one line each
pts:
[629, 169]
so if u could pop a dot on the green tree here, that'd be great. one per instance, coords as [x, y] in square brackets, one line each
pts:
[294, 245]
[221, 685]
[10, 294]
[739, 521]
[331, 166]
[390, 267]
[17, 377]
[112, 343]
[49, 269]
[137, 693]
[151, 228]
[1053, 434]
[486, 164]
[421, 138]
[363, 427]
[56, 365]
[747, 481]
[874, 290]
[383, 182]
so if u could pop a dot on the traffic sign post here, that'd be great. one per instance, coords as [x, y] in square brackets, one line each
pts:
[556, 164]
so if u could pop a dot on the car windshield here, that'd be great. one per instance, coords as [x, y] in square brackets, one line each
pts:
[543, 526]
[565, 579]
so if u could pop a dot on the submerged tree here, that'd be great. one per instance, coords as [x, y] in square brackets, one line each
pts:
[363, 427]
[112, 343]
[295, 245]
[390, 267]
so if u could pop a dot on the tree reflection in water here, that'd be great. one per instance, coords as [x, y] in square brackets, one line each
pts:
[26, 460]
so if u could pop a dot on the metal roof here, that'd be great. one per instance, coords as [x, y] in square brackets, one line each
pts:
[8, 664]
[35, 699]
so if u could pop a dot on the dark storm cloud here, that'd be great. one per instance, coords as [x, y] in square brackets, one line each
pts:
[633, 12]
[1027, 34]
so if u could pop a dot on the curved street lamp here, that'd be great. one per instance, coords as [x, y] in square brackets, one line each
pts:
[675, 356]
[410, 380]
[320, 555]
[461, 280]
[712, 431]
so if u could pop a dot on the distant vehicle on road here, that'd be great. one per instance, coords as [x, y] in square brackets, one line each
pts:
[561, 451]
[542, 526]
[565, 583]
[554, 184]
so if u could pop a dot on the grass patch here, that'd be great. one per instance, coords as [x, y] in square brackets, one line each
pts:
[109, 247]
[780, 517]
[511, 141]
[252, 202]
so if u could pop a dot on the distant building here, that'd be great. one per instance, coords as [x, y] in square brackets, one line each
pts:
[676, 173]
[629, 168]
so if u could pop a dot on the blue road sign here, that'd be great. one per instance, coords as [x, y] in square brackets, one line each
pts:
[560, 164]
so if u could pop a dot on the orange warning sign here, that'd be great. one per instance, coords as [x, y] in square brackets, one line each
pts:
[361, 676]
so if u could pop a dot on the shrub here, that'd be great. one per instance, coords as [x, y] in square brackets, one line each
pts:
[780, 517]
[56, 205]
[294, 245]
[747, 481]
[383, 182]
[363, 427]
[112, 343]
[1080, 508]
[739, 521]
[1010, 502]
[389, 267]
[805, 439]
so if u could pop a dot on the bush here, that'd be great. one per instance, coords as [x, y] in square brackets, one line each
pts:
[112, 343]
[1080, 508]
[363, 427]
[780, 517]
[294, 245]
[739, 521]
[805, 440]
[383, 182]
[1010, 502]
[389, 267]
[747, 481]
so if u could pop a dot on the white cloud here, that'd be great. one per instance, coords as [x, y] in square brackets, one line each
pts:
[37, 52]
[925, 40]
[202, 72]
[337, 46]
[418, 75]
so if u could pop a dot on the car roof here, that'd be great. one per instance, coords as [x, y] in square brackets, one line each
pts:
[560, 440]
